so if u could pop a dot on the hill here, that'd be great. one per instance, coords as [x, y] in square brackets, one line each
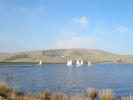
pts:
[62, 55]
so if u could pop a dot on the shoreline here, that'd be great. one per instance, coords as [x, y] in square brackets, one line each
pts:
[35, 63]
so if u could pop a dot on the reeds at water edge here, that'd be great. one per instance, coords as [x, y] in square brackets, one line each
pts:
[106, 94]
[91, 94]
[7, 93]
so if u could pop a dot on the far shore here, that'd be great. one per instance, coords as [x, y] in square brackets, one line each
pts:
[35, 63]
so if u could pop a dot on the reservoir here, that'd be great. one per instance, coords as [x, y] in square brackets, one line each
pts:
[68, 79]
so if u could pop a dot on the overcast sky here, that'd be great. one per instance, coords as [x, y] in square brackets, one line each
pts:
[51, 24]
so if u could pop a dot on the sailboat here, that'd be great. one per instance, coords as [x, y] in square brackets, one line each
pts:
[77, 63]
[81, 63]
[89, 63]
[69, 63]
[40, 63]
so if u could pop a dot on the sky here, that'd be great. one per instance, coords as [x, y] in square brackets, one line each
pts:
[57, 24]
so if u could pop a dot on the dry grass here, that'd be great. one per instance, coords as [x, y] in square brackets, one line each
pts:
[46, 96]
[9, 94]
[130, 97]
[77, 97]
[91, 94]
[4, 90]
[57, 96]
[3, 87]
[106, 94]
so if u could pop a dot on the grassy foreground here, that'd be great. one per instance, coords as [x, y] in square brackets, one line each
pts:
[7, 93]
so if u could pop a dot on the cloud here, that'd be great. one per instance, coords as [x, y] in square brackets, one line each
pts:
[73, 41]
[31, 11]
[123, 29]
[82, 21]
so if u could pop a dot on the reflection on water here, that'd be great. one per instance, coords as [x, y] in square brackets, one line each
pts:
[70, 80]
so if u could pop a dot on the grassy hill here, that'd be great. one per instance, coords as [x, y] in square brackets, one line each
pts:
[62, 55]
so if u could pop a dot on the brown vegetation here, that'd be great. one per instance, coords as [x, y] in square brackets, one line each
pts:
[91, 94]
[7, 93]
[106, 95]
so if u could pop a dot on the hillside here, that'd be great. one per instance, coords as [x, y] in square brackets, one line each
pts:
[62, 55]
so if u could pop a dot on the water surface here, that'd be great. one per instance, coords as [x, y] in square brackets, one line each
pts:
[70, 80]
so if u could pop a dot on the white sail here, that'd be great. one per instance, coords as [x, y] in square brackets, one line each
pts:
[89, 63]
[81, 62]
[69, 63]
[40, 62]
[77, 63]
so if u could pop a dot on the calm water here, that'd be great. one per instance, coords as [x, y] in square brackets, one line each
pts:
[70, 80]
